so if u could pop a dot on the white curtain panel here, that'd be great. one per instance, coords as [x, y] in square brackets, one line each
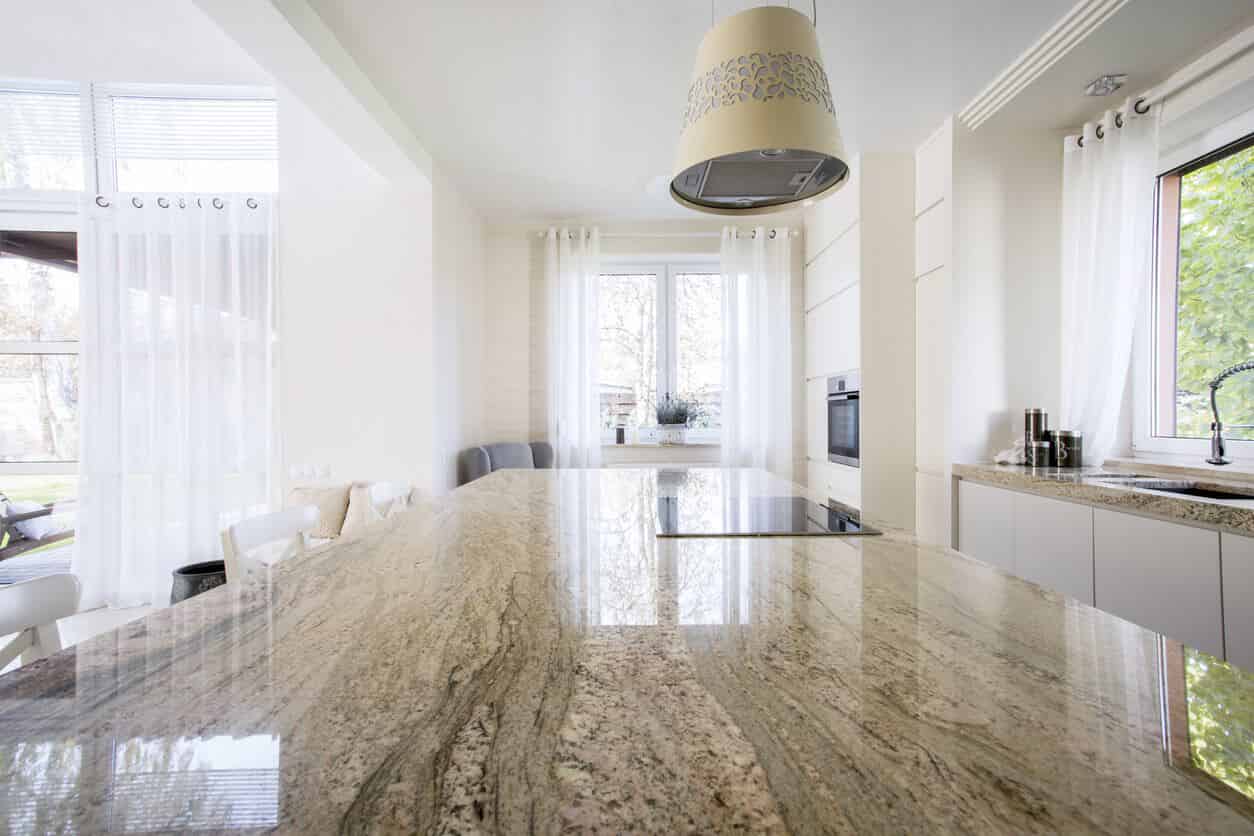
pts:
[572, 266]
[757, 349]
[178, 414]
[1107, 263]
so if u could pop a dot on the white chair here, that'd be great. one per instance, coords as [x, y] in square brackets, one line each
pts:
[284, 528]
[31, 609]
[383, 494]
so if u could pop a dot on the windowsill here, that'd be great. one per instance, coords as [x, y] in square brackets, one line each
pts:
[653, 445]
[1184, 465]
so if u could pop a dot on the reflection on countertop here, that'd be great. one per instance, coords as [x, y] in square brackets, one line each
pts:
[526, 655]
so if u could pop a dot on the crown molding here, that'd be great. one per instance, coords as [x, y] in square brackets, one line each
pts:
[1076, 25]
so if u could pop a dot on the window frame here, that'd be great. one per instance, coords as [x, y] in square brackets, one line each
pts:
[1157, 322]
[667, 330]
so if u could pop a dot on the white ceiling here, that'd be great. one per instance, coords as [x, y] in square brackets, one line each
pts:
[1146, 39]
[561, 109]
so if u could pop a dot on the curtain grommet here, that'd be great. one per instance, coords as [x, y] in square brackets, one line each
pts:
[1100, 132]
[251, 203]
[1118, 120]
[1137, 107]
[218, 204]
[137, 203]
[164, 203]
[101, 202]
[1079, 141]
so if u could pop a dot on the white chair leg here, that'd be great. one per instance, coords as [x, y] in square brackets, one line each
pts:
[47, 639]
[18, 647]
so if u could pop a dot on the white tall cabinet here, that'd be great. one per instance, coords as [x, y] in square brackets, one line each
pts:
[859, 315]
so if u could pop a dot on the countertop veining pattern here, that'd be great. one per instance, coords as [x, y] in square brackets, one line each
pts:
[525, 656]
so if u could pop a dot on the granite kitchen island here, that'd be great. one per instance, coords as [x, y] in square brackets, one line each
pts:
[524, 655]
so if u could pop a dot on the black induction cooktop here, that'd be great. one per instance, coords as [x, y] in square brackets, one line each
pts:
[759, 516]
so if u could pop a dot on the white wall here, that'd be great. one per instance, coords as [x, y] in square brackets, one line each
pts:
[148, 41]
[356, 337]
[460, 327]
[1007, 192]
[933, 254]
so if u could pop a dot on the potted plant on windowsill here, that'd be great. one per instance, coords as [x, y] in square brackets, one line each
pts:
[673, 417]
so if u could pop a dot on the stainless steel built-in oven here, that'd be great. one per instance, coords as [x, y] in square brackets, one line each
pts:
[842, 419]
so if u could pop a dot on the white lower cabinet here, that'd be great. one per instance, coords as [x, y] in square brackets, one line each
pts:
[1046, 541]
[1238, 574]
[1161, 575]
[985, 527]
[1053, 544]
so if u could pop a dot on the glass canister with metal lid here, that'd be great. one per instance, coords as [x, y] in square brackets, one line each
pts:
[1066, 448]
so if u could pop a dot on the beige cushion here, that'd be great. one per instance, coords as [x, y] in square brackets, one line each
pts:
[332, 502]
[361, 511]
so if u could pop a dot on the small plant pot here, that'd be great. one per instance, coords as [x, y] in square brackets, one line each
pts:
[191, 580]
[672, 434]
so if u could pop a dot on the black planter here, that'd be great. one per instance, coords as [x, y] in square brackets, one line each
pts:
[191, 580]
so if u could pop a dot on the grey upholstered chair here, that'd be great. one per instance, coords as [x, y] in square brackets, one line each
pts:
[480, 461]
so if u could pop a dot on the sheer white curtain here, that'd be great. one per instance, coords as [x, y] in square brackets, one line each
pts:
[572, 267]
[178, 415]
[757, 349]
[1107, 261]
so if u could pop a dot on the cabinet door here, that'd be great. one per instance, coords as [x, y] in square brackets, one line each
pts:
[1238, 573]
[985, 531]
[1053, 544]
[1161, 575]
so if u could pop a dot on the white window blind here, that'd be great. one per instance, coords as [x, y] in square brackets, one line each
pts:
[153, 142]
[160, 128]
[41, 139]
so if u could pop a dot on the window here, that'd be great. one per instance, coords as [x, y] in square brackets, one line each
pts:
[58, 140]
[187, 141]
[41, 139]
[39, 372]
[661, 334]
[1203, 305]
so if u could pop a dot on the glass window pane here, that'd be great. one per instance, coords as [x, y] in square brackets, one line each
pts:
[699, 324]
[38, 286]
[38, 407]
[41, 141]
[628, 321]
[1215, 294]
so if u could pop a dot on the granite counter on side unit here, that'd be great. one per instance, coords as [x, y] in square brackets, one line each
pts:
[524, 655]
[1089, 485]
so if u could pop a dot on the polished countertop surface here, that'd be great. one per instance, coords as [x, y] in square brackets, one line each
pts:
[525, 655]
[1107, 486]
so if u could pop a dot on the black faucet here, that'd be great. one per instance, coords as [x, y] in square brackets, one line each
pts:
[1216, 427]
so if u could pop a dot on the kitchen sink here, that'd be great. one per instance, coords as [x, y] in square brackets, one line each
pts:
[1182, 487]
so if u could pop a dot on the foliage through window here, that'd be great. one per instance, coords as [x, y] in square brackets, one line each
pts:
[39, 329]
[661, 333]
[1204, 305]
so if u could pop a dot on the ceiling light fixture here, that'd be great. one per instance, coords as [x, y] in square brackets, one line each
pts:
[760, 131]
[1105, 85]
